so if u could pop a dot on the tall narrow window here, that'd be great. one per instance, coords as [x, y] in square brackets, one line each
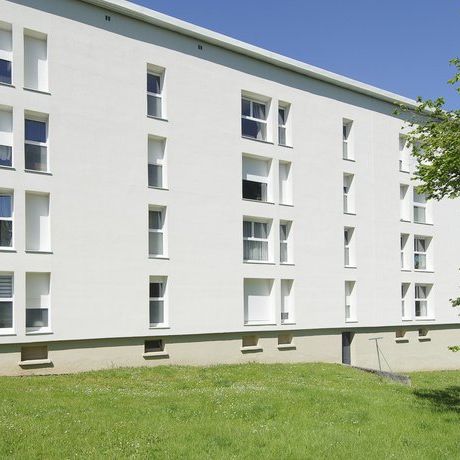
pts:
[404, 252]
[6, 220]
[404, 202]
[348, 194]
[350, 307]
[405, 308]
[422, 292]
[285, 246]
[6, 53]
[256, 179]
[36, 144]
[157, 299]
[347, 146]
[255, 240]
[285, 185]
[35, 61]
[6, 137]
[349, 252]
[258, 301]
[420, 207]
[421, 248]
[283, 124]
[404, 154]
[155, 92]
[38, 236]
[287, 302]
[157, 162]
[254, 116]
[157, 243]
[6, 302]
[37, 302]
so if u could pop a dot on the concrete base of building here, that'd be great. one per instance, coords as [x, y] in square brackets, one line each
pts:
[371, 348]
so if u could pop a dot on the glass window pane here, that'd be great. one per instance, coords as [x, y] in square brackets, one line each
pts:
[36, 317]
[153, 83]
[254, 190]
[6, 233]
[6, 315]
[155, 220]
[156, 312]
[419, 197]
[6, 155]
[6, 205]
[6, 286]
[5, 71]
[155, 175]
[247, 229]
[281, 116]
[283, 232]
[260, 230]
[283, 252]
[35, 131]
[282, 135]
[154, 106]
[245, 107]
[36, 157]
[419, 215]
[255, 250]
[156, 243]
[258, 110]
[156, 289]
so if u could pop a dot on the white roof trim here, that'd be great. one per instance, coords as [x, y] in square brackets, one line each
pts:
[200, 33]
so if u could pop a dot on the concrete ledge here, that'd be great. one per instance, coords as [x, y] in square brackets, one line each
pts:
[35, 362]
[156, 354]
[287, 346]
[254, 349]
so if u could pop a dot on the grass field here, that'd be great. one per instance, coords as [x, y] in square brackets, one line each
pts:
[248, 411]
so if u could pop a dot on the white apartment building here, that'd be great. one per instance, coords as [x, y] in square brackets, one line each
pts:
[171, 195]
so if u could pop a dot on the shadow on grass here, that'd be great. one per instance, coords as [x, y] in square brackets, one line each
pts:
[447, 399]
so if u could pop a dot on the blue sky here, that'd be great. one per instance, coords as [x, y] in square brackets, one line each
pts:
[399, 45]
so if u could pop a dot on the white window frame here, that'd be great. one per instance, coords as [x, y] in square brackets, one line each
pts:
[349, 252]
[251, 116]
[405, 310]
[404, 155]
[267, 181]
[9, 219]
[161, 163]
[347, 140]
[286, 126]
[291, 303]
[287, 197]
[426, 252]
[287, 242]
[350, 301]
[348, 193]
[45, 329]
[162, 231]
[40, 119]
[404, 202]
[164, 281]
[6, 137]
[404, 238]
[418, 298]
[160, 73]
[268, 224]
[9, 330]
[7, 55]
[421, 205]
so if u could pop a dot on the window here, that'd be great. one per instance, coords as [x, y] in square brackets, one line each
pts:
[422, 292]
[37, 301]
[38, 236]
[155, 345]
[283, 128]
[405, 308]
[347, 146]
[157, 243]
[287, 302]
[156, 162]
[6, 137]
[6, 53]
[6, 220]
[256, 179]
[350, 309]
[258, 301]
[6, 302]
[36, 144]
[348, 194]
[254, 116]
[404, 154]
[349, 253]
[35, 61]
[155, 92]
[285, 246]
[157, 299]
[404, 252]
[34, 353]
[420, 207]
[255, 240]
[404, 202]
[285, 185]
[421, 246]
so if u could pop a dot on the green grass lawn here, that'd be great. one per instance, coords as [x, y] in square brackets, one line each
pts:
[247, 411]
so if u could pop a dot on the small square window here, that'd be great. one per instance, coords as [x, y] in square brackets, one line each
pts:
[34, 353]
[250, 341]
[151, 346]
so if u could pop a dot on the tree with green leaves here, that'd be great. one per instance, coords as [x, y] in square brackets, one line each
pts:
[434, 136]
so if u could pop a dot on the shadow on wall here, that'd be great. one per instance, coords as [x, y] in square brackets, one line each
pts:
[138, 30]
[445, 400]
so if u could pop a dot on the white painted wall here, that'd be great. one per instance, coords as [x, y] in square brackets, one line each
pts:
[100, 199]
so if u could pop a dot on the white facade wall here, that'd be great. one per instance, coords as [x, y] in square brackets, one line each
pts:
[98, 154]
